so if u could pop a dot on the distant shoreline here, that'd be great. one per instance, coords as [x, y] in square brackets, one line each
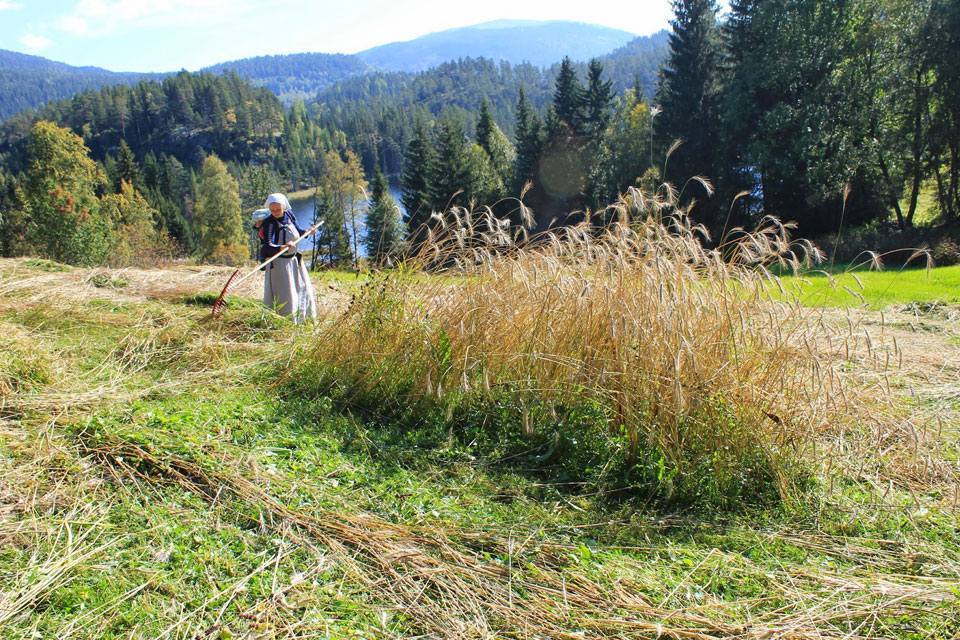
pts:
[302, 194]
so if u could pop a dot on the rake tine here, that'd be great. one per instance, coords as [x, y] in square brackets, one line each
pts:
[222, 298]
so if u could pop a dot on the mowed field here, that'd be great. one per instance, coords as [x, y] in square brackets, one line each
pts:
[896, 288]
[165, 475]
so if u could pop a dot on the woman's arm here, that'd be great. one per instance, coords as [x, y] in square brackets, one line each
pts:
[293, 220]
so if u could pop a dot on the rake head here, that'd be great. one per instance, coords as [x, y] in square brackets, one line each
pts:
[221, 300]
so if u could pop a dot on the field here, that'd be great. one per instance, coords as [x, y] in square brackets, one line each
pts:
[426, 461]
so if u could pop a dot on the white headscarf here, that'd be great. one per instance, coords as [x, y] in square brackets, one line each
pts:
[280, 199]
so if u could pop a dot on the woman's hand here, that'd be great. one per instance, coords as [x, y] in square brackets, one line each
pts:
[291, 245]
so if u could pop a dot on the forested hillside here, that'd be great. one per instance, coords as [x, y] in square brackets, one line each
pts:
[27, 82]
[378, 111]
[296, 76]
[154, 137]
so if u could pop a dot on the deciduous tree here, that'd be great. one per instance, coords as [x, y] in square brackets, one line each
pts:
[64, 218]
[217, 220]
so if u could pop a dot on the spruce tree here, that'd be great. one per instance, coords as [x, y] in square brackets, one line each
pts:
[568, 98]
[529, 130]
[500, 156]
[385, 238]
[331, 246]
[126, 169]
[485, 125]
[597, 101]
[415, 181]
[689, 94]
[449, 174]
[599, 187]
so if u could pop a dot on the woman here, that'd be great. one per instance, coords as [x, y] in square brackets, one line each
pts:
[286, 286]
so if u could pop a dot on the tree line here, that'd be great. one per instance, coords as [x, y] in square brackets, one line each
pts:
[828, 113]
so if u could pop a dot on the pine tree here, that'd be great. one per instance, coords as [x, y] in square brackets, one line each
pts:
[216, 220]
[385, 238]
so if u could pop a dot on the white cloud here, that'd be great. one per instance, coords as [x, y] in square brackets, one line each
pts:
[7, 5]
[35, 43]
[73, 25]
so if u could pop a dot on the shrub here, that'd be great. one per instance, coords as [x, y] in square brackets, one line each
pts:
[946, 252]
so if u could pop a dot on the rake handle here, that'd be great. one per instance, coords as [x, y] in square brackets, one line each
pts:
[218, 304]
[309, 232]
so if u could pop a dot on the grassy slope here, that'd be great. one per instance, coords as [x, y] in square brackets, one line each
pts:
[155, 479]
[878, 289]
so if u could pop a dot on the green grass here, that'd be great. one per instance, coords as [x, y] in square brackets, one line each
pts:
[876, 289]
[158, 476]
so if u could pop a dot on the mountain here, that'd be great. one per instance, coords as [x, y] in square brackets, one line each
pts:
[540, 43]
[27, 82]
[296, 76]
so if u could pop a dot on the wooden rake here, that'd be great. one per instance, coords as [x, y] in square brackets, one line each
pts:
[233, 282]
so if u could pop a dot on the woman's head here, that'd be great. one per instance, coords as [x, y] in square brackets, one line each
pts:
[277, 203]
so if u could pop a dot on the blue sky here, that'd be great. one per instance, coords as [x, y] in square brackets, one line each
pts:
[167, 35]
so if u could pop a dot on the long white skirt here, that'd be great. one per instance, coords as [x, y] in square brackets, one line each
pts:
[287, 289]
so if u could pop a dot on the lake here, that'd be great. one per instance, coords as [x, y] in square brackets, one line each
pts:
[303, 211]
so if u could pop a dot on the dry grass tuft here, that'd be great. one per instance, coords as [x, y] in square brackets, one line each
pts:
[682, 348]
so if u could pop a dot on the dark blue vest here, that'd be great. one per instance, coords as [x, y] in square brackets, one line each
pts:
[273, 234]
